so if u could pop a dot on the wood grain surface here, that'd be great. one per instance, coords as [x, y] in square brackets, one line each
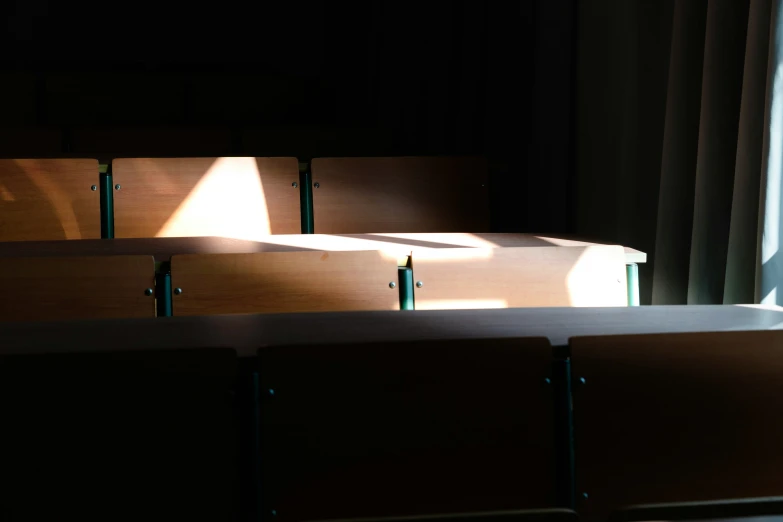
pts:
[489, 240]
[49, 199]
[246, 332]
[41, 289]
[407, 428]
[404, 194]
[678, 417]
[284, 282]
[519, 277]
[242, 198]
[157, 423]
[162, 248]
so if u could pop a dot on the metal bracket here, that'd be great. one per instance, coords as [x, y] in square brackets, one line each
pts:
[306, 198]
[163, 289]
[632, 276]
[107, 203]
[564, 434]
[405, 277]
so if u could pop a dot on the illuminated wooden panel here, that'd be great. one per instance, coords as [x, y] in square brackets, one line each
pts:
[405, 194]
[454, 278]
[49, 288]
[284, 282]
[490, 240]
[241, 198]
[403, 428]
[49, 199]
[677, 417]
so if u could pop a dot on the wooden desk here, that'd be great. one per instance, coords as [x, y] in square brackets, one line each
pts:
[162, 248]
[401, 245]
[247, 333]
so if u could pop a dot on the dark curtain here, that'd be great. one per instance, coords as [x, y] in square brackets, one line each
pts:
[672, 112]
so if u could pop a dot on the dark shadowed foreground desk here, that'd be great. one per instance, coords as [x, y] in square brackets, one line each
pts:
[246, 333]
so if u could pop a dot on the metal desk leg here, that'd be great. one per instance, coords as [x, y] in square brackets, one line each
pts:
[405, 277]
[632, 275]
[107, 204]
[306, 200]
[163, 289]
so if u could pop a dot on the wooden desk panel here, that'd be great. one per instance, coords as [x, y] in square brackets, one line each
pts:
[40, 289]
[407, 428]
[144, 431]
[678, 417]
[284, 282]
[405, 194]
[247, 332]
[519, 277]
[49, 199]
[487, 240]
[242, 198]
[162, 248]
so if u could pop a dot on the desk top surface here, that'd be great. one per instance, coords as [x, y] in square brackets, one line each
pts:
[162, 248]
[247, 333]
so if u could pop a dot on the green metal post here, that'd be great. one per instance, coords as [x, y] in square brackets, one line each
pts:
[564, 433]
[306, 198]
[107, 204]
[163, 289]
[256, 447]
[632, 275]
[405, 278]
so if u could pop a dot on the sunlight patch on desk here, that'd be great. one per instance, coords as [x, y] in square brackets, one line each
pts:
[451, 239]
[771, 307]
[6, 194]
[598, 278]
[228, 201]
[452, 254]
[329, 243]
[460, 304]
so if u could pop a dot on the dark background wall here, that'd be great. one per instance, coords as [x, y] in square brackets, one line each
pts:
[308, 79]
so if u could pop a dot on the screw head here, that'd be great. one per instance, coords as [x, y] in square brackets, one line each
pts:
[585, 496]
[148, 291]
[547, 381]
[317, 185]
[177, 291]
[117, 186]
[271, 392]
[419, 284]
[582, 380]
[392, 285]
[94, 188]
[294, 184]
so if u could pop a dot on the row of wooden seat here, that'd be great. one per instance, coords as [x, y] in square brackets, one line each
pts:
[47, 288]
[343, 429]
[240, 197]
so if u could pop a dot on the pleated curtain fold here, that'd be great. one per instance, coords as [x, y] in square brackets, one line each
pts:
[718, 144]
